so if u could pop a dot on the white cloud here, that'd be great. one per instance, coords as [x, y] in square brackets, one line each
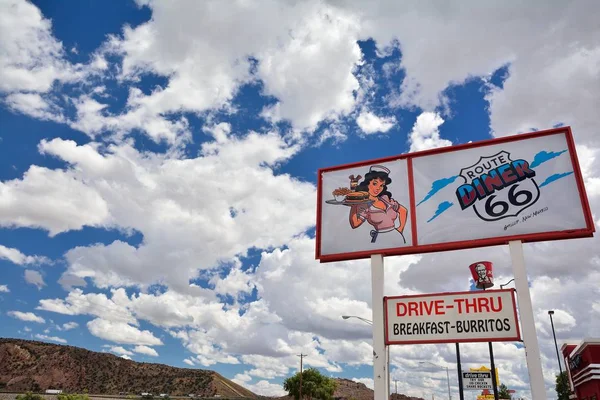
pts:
[311, 70]
[121, 332]
[573, 77]
[26, 316]
[16, 257]
[51, 199]
[371, 123]
[97, 304]
[236, 283]
[263, 388]
[30, 56]
[368, 382]
[34, 278]
[149, 351]
[312, 43]
[188, 361]
[70, 325]
[425, 133]
[138, 193]
[51, 338]
[31, 59]
[119, 350]
[34, 105]
[4, 289]
[242, 379]
[126, 357]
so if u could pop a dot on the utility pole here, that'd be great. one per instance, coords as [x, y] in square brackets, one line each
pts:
[301, 357]
[396, 385]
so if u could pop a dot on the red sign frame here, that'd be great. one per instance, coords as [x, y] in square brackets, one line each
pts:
[588, 231]
[503, 339]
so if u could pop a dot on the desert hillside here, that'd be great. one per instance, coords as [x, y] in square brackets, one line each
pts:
[37, 366]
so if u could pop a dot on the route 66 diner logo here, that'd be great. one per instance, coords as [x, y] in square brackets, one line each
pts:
[497, 187]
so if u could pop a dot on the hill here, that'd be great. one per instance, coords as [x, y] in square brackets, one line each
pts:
[37, 366]
[351, 390]
[347, 389]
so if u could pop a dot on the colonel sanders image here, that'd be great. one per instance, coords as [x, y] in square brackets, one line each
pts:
[482, 277]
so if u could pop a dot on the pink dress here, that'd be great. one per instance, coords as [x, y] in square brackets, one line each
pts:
[381, 220]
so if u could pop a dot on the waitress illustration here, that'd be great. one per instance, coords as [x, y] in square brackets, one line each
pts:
[381, 211]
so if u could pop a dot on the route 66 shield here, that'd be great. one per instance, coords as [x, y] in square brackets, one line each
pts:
[508, 202]
[504, 202]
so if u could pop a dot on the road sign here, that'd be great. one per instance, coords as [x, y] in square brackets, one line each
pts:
[526, 187]
[483, 316]
[477, 380]
[483, 368]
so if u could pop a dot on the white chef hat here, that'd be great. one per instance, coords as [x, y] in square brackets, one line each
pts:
[379, 168]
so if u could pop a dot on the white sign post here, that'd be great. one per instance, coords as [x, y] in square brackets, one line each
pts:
[380, 358]
[532, 348]
[484, 316]
[477, 380]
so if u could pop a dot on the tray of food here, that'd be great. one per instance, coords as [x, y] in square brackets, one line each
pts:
[348, 197]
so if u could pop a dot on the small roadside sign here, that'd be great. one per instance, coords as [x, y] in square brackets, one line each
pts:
[477, 380]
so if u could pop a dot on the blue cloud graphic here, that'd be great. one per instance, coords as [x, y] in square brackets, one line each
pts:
[555, 177]
[438, 185]
[443, 206]
[544, 156]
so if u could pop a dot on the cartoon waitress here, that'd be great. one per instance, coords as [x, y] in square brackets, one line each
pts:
[383, 212]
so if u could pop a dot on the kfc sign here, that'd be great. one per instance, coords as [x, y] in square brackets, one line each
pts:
[483, 275]
[487, 316]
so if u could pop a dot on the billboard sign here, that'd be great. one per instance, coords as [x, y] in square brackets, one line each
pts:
[484, 316]
[477, 380]
[526, 187]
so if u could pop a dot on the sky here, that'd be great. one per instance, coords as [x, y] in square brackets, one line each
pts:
[159, 161]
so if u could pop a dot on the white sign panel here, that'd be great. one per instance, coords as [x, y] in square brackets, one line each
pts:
[366, 208]
[507, 189]
[525, 187]
[477, 380]
[482, 316]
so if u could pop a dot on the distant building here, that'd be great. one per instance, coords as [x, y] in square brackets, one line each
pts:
[53, 391]
[583, 368]
[164, 395]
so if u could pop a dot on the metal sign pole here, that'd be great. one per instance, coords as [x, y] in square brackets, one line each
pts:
[380, 373]
[493, 365]
[460, 379]
[532, 348]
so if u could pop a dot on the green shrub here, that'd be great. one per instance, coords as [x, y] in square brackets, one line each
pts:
[29, 396]
[73, 396]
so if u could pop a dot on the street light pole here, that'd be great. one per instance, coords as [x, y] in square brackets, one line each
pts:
[447, 375]
[448, 378]
[505, 284]
[368, 321]
[550, 313]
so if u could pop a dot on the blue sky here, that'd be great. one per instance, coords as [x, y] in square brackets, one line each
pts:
[158, 174]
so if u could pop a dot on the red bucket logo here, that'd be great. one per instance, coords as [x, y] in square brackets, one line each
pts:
[482, 274]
